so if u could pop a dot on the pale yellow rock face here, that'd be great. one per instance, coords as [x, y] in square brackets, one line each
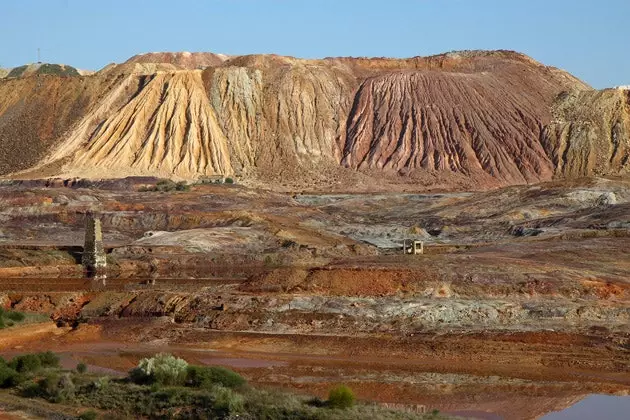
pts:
[168, 128]
[189, 124]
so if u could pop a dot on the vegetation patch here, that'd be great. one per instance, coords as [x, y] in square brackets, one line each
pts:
[167, 387]
[12, 318]
[166, 185]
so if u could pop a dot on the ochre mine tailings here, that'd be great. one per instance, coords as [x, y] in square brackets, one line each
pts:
[455, 121]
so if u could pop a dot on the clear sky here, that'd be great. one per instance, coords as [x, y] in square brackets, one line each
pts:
[589, 38]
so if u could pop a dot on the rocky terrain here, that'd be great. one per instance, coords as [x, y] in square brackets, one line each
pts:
[457, 121]
[280, 254]
[519, 306]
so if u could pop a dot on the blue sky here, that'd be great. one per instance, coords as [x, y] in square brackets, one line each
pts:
[589, 38]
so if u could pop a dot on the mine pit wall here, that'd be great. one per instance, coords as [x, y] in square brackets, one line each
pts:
[315, 302]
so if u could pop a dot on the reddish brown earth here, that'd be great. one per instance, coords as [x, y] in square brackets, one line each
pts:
[520, 305]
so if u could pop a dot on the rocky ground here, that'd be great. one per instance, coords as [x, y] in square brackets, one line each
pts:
[520, 305]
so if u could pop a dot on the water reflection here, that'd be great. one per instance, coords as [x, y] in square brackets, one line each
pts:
[595, 407]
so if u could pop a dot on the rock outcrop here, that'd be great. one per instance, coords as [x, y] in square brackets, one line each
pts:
[590, 134]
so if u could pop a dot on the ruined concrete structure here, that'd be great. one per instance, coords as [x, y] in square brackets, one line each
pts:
[412, 247]
[94, 260]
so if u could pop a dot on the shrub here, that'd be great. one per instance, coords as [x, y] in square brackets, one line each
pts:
[341, 397]
[163, 369]
[88, 415]
[48, 359]
[31, 390]
[26, 363]
[57, 388]
[208, 376]
[8, 377]
[229, 181]
[226, 401]
[15, 316]
[82, 368]
[99, 384]
[182, 186]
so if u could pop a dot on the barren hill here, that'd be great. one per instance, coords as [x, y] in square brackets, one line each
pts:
[43, 69]
[181, 60]
[454, 121]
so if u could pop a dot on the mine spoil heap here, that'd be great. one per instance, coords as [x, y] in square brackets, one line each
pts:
[466, 120]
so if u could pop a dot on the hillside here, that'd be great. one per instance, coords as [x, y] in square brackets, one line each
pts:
[590, 134]
[180, 60]
[466, 120]
[43, 69]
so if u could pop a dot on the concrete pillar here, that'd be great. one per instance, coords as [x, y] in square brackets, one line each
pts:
[94, 260]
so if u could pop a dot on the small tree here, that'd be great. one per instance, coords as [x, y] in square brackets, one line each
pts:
[341, 397]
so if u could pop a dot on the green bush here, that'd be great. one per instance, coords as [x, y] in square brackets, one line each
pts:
[57, 388]
[229, 181]
[208, 376]
[48, 359]
[341, 397]
[15, 316]
[88, 415]
[31, 390]
[162, 369]
[226, 401]
[82, 368]
[182, 186]
[26, 363]
[8, 377]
